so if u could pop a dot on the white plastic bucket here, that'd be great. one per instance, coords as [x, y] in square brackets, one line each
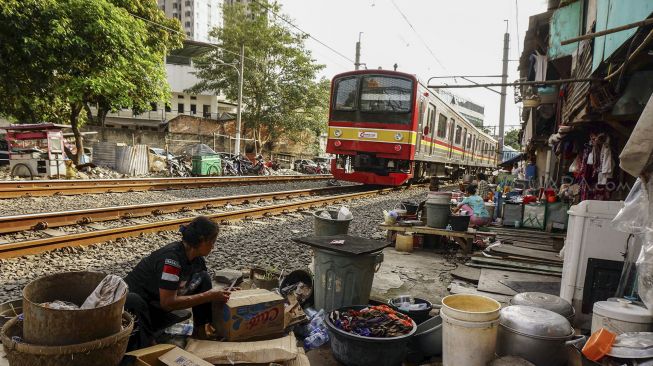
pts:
[469, 307]
[468, 343]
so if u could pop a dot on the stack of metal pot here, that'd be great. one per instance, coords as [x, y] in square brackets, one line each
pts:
[536, 327]
[537, 335]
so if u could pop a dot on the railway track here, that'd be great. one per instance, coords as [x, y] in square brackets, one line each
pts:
[48, 220]
[43, 188]
[21, 248]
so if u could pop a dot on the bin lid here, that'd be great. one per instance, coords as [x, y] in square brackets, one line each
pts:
[623, 310]
[345, 244]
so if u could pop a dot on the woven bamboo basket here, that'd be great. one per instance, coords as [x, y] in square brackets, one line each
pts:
[107, 351]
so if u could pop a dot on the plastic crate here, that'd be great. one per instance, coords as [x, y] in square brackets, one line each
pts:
[534, 216]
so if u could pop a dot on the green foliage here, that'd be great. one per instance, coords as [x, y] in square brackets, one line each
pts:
[511, 139]
[58, 57]
[280, 94]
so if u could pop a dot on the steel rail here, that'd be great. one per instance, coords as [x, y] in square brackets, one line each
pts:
[22, 248]
[41, 221]
[32, 188]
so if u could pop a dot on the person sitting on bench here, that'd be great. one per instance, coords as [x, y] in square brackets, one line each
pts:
[474, 205]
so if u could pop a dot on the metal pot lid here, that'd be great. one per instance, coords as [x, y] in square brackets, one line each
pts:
[535, 322]
[544, 301]
[633, 345]
[623, 310]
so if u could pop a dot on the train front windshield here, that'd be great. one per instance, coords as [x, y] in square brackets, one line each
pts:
[373, 98]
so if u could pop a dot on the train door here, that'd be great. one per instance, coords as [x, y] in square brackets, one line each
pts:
[420, 126]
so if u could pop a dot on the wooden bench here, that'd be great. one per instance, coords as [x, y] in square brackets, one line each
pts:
[465, 239]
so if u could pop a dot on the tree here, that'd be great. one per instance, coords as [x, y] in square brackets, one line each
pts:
[63, 56]
[512, 139]
[281, 93]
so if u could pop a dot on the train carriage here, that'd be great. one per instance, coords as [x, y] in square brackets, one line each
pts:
[387, 128]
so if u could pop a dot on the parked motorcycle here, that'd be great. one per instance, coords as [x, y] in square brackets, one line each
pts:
[246, 167]
[178, 167]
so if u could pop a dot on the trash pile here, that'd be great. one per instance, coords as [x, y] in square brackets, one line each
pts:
[374, 321]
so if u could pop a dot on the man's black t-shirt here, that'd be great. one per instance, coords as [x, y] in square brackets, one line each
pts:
[167, 268]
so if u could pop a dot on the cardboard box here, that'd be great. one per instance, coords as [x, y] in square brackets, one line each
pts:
[150, 356]
[249, 314]
[179, 357]
[280, 350]
[165, 355]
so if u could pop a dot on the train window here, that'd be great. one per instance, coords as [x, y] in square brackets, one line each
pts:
[345, 94]
[442, 126]
[469, 141]
[386, 94]
[459, 135]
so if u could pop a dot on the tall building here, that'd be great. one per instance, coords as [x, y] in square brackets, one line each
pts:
[197, 17]
[473, 112]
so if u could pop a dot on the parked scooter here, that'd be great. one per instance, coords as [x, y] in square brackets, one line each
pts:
[245, 167]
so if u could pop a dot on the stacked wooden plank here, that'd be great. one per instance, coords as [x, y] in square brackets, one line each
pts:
[521, 260]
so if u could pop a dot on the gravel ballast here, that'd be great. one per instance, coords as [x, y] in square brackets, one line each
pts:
[263, 242]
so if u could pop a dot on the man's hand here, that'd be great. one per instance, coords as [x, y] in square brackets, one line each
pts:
[220, 295]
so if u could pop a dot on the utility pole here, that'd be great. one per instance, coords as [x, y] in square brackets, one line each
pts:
[240, 98]
[504, 79]
[357, 64]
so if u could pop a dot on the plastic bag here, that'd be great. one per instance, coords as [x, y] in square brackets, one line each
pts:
[317, 332]
[325, 215]
[344, 213]
[389, 218]
[633, 218]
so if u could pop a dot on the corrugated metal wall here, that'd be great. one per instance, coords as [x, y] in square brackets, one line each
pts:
[104, 154]
[132, 160]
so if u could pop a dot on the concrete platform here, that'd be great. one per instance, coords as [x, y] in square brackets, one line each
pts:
[422, 273]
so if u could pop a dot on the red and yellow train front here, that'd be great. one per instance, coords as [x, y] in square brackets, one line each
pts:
[372, 123]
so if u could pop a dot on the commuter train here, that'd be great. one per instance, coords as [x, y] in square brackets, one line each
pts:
[386, 128]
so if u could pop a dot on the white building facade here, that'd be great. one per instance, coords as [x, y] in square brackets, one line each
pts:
[197, 17]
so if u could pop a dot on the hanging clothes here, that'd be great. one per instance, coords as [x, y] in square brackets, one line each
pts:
[541, 64]
[607, 163]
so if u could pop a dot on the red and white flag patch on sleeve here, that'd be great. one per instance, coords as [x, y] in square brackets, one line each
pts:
[171, 270]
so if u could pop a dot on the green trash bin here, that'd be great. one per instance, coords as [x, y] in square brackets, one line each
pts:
[207, 165]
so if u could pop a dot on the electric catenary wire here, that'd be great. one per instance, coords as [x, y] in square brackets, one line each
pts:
[418, 34]
[302, 31]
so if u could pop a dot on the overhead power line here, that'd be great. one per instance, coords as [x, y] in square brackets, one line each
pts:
[418, 34]
[265, 6]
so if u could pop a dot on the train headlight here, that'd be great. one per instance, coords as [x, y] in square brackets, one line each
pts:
[397, 148]
[399, 136]
[337, 144]
[337, 133]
